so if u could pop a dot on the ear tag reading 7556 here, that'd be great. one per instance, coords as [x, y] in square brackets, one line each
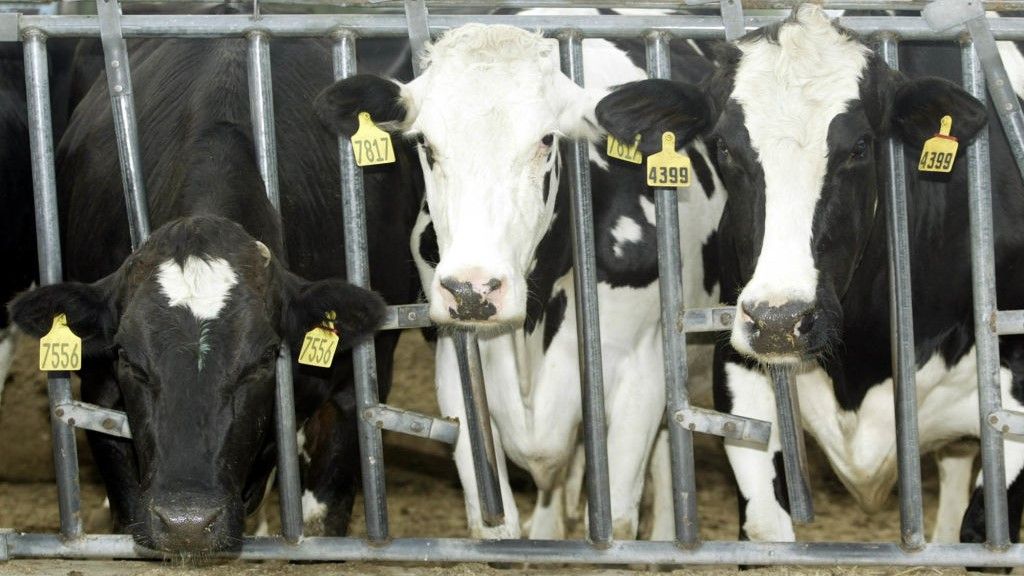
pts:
[940, 150]
[668, 168]
[60, 350]
[370, 144]
[320, 343]
[617, 149]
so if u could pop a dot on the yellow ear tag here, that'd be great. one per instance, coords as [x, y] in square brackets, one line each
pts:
[60, 350]
[370, 144]
[621, 151]
[668, 168]
[940, 150]
[320, 344]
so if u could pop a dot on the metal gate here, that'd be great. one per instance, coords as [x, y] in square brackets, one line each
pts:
[953, 20]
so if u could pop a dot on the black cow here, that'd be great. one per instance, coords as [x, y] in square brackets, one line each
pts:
[800, 111]
[183, 333]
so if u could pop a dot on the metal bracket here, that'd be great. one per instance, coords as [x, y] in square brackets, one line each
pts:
[732, 19]
[419, 30]
[1007, 422]
[413, 423]
[945, 14]
[95, 418]
[725, 425]
[114, 46]
[708, 319]
[407, 316]
[9, 26]
[1009, 322]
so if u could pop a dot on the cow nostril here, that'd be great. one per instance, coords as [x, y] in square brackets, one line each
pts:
[190, 521]
[804, 324]
[745, 315]
[493, 284]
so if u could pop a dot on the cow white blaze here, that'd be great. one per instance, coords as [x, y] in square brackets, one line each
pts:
[812, 73]
[200, 284]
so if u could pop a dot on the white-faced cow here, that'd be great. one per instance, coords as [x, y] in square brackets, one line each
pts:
[800, 111]
[492, 113]
[183, 333]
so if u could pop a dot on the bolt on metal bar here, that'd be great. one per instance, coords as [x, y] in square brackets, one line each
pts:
[261, 110]
[419, 30]
[95, 418]
[413, 423]
[673, 337]
[478, 427]
[732, 19]
[588, 326]
[363, 357]
[983, 274]
[122, 106]
[901, 333]
[1007, 422]
[37, 92]
[791, 436]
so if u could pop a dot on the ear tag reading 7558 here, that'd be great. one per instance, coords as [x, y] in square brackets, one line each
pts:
[60, 350]
[370, 144]
[668, 168]
[940, 150]
[617, 149]
[320, 343]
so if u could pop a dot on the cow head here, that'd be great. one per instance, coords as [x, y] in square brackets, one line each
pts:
[799, 112]
[193, 321]
[488, 113]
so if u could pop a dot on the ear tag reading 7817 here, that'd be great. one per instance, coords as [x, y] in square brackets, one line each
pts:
[370, 144]
[668, 168]
[60, 350]
[617, 149]
[320, 343]
[940, 150]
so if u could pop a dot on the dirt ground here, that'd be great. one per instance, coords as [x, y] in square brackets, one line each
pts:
[423, 494]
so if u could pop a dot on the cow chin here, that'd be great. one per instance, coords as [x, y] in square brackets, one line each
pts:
[190, 526]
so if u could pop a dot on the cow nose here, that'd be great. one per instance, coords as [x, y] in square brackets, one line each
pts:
[186, 528]
[778, 329]
[472, 297]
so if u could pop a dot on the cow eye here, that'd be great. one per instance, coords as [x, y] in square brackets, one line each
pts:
[860, 149]
[548, 139]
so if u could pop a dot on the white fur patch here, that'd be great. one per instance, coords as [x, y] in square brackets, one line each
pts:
[626, 230]
[790, 91]
[201, 285]
[312, 509]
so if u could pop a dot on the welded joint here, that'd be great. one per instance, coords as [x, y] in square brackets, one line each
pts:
[412, 423]
[9, 24]
[1006, 422]
[95, 418]
[729, 426]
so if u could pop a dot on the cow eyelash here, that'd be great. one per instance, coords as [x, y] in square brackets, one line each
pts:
[548, 140]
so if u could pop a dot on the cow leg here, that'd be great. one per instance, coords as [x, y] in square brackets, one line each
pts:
[574, 485]
[955, 462]
[663, 525]
[548, 520]
[764, 506]
[451, 403]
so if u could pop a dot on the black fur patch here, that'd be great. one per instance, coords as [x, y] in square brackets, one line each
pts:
[554, 314]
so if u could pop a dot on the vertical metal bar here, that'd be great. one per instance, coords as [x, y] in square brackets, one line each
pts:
[588, 327]
[673, 338]
[357, 263]
[419, 30]
[261, 110]
[478, 427]
[732, 19]
[794, 453]
[979, 188]
[904, 365]
[37, 87]
[122, 106]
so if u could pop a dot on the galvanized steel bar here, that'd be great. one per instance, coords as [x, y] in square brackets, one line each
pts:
[363, 357]
[122, 106]
[588, 327]
[413, 423]
[901, 333]
[1010, 322]
[95, 418]
[732, 19]
[912, 5]
[37, 92]
[261, 111]
[673, 337]
[983, 274]
[419, 30]
[478, 428]
[791, 436]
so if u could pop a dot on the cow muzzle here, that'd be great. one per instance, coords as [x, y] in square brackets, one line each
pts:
[473, 297]
[777, 333]
[186, 523]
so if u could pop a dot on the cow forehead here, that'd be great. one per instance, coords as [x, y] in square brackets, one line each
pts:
[200, 284]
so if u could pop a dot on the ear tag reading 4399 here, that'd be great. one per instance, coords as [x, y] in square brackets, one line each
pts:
[60, 350]
[617, 149]
[940, 150]
[668, 168]
[320, 343]
[370, 144]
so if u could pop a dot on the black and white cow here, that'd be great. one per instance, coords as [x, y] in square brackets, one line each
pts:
[492, 114]
[800, 111]
[183, 333]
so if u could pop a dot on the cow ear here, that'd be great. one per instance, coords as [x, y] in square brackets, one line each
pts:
[90, 308]
[339, 105]
[652, 107]
[359, 313]
[919, 105]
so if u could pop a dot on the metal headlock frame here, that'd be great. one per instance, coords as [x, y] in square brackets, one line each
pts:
[943, 19]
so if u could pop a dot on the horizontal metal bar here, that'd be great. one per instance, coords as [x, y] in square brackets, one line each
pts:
[413, 423]
[95, 418]
[407, 316]
[9, 27]
[725, 425]
[394, 25]
[1009, 322]
[996, 5]
[545, 551]
[1007, 421]
[708, 319]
